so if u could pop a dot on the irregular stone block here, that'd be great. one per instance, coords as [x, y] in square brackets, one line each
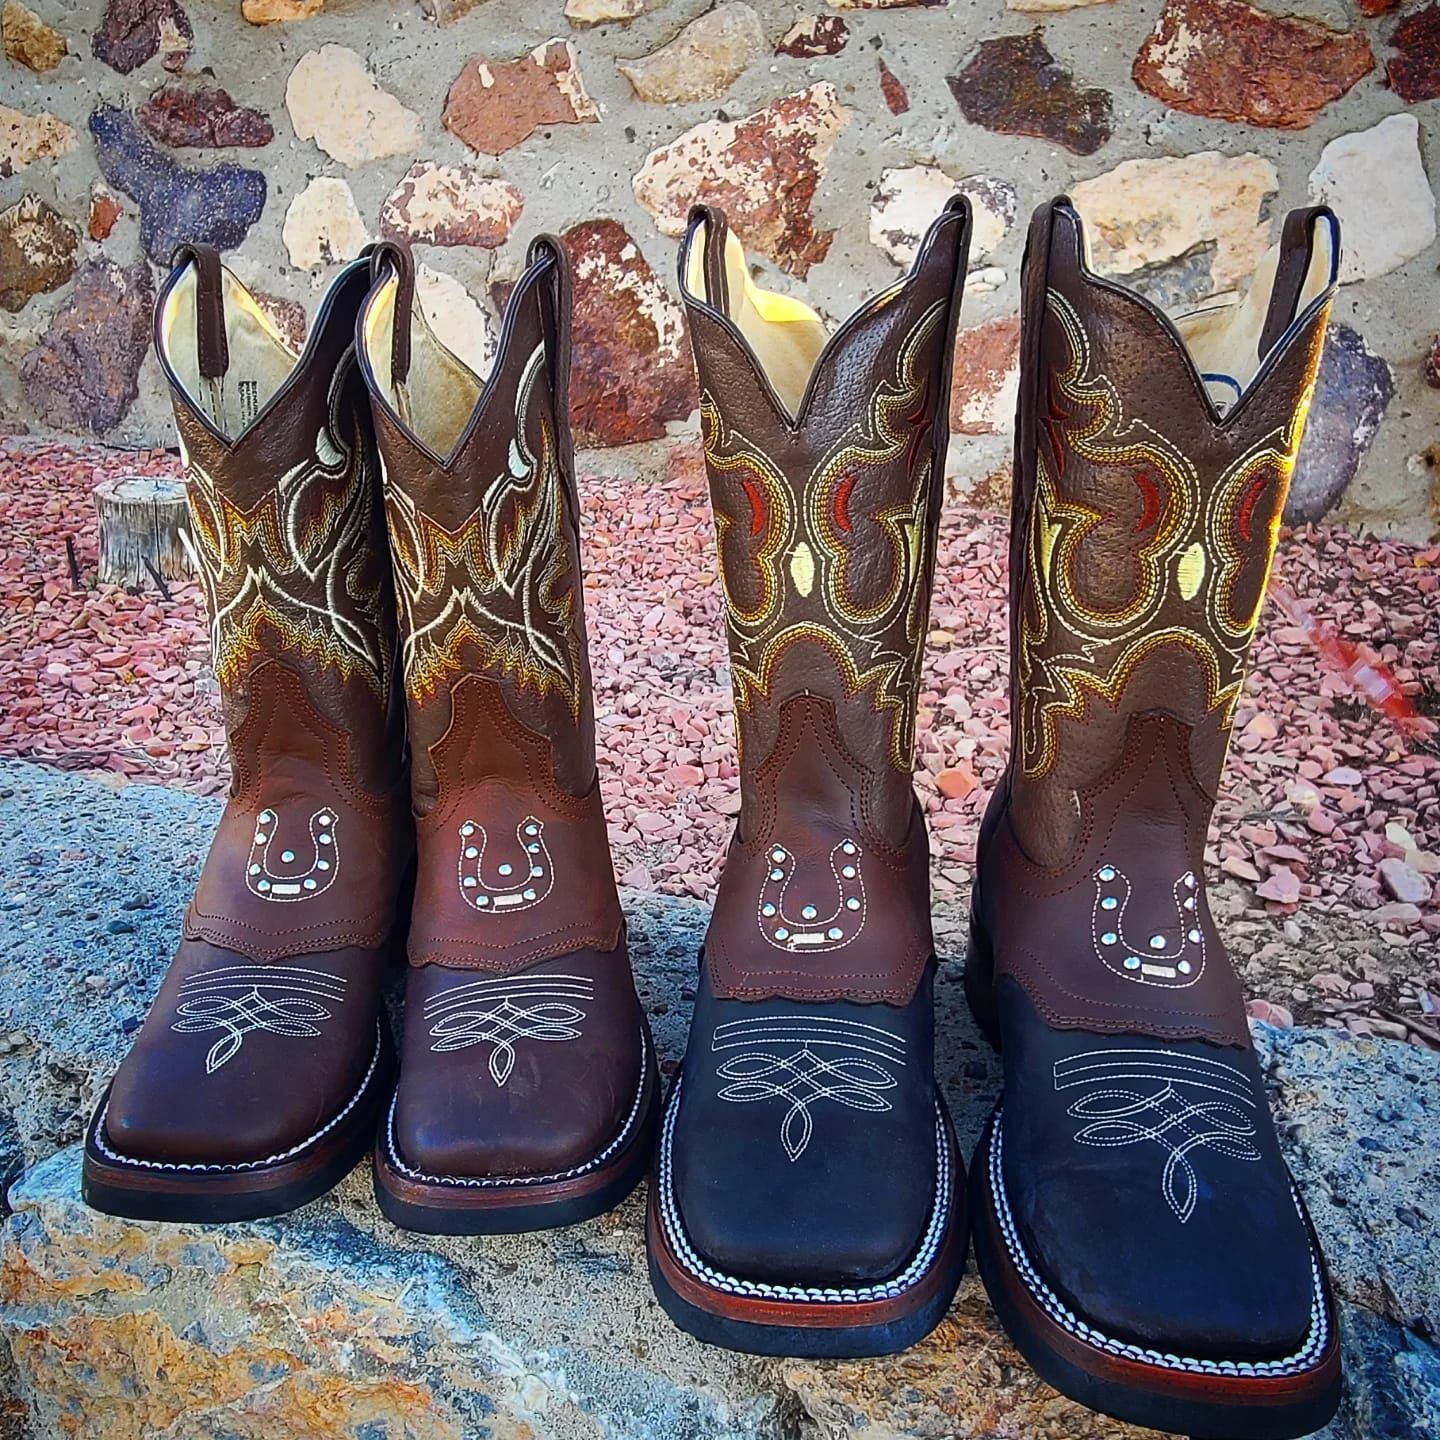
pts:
[271, 12]
[907, 201]
[1352, 391]
[582, 14]
[1414, 70]
[134, 31]
[37, 251]
[762, 171]
[323, 224]
[203, 118]
[25, 139]
[703, 61]
[493, 106]
[1014, 86]
[104, 212]
[895, 95]
[28, 40]
[1229, 60]
[1145, 214]
[813, 35]
[84, 373]
[1050, 7]
[1375, 182]
[216, 206]
[335, 101]
[987, 378]
[451, 205]
[632, 365]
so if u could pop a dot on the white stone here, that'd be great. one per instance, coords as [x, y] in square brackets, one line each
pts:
[27, 138]
[459, 321]
[584, 13]
[1375, 182]
[909, 200]
[1050, 7]
[703, 61]
[323, 224]
[438, 204]
[334, 101]
[1148, 212]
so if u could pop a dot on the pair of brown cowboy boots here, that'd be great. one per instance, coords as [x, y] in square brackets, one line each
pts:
[1133, 1218]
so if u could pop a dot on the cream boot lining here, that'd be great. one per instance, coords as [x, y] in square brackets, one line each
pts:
[1224, 338]
[441, 391]
[785, 334]
[260, 359]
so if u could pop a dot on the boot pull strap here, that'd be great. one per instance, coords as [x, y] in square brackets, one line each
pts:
[712, 258]
[555, 319]
[211, 345]
[395, 255]
[1297, 251]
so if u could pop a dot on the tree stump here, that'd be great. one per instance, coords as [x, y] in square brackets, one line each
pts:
[141, 517]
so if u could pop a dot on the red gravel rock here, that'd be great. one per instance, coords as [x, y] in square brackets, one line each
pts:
[1231, 61]
[1414, 71]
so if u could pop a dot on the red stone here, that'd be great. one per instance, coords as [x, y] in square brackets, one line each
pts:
[203, 118]
[631, 369]
[814, 35]
[897, 98]
[104, 212]
[1230, 61]
[494, 105]
[1414, 72]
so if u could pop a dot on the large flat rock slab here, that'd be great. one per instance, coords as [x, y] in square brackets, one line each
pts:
[332, 1323]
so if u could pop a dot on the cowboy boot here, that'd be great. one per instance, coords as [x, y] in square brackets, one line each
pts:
[1134, 1221]
[528, 1088]
[809, 1196]
[256, 1080]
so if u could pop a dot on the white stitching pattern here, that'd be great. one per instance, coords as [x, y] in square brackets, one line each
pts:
[241, 999]
[502, 1010]
[499, 1182]
[1304, 1359]
[109, 1154]
[537, 870]
[801, 1076]
[287, 884]
[913, 1273]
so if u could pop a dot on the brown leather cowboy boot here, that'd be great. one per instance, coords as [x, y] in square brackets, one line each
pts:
[1134, 1221]
[256, 1080]
[528, 1088]
[809, 1196]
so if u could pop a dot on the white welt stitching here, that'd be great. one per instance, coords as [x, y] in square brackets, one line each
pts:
[884, 1290]
[109, 1154]
[1303, 1359]
[496, 1182]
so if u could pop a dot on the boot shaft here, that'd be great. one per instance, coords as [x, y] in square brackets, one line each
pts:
[483, 521]
[288, 536]
[1153, 462]
[825, 460]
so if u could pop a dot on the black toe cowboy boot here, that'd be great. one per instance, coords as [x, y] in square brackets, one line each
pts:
[809, 1197]
[1134, 1220]
[256, 1080]
[528, 1093]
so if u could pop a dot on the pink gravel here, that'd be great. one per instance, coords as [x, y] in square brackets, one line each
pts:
[1320, 789]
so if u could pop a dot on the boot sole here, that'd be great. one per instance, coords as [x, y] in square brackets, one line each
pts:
[513, 1205]
[808, 1322]
[1234, 1399]
[218, 1194]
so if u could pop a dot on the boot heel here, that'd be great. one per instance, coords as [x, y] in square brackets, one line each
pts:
[980, 982]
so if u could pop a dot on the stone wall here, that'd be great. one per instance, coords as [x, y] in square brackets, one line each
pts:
[289, 131]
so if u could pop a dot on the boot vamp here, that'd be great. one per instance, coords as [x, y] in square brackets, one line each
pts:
[530, 1074]
[804, 1149]
[240, 1061]
[1148, 1189]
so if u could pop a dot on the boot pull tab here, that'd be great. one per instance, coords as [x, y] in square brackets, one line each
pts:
[1297, 253]
[555, 319]
[211, 345]
[712, 257]
[394, 256]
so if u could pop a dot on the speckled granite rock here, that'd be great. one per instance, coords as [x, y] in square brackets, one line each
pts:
[331, 1323]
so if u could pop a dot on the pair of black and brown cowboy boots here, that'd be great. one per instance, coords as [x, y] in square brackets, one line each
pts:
[1133, 1218]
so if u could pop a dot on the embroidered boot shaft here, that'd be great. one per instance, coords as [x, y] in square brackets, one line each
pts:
[278, 969]
[826, 468]
[519, 964]
[1152, 464]
[807, 1200]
